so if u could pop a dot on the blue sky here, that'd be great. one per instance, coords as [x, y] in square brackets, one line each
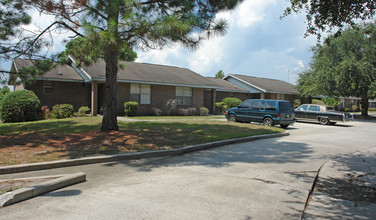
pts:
[257, 43]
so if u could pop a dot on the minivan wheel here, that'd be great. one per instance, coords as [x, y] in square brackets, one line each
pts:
[324, 121]
[231, 118]
[268, 122]
[284, 125]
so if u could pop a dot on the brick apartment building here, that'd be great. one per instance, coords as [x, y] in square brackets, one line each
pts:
[152, 86]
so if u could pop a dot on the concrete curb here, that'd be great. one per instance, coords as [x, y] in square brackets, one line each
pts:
[36, 190]
[130, 156]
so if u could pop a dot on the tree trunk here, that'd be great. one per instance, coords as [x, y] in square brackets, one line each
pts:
[364, 103]
[109, 122]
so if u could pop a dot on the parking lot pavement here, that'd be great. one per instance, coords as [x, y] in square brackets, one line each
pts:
[345, 188]
[265, 179]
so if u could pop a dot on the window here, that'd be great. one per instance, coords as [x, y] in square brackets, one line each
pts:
[281, 96]
[183, 96]
[48, 86]
[270, 105]
[257, 105]
[314, 108]
[246, 104]
[303, 108]
[140, 93]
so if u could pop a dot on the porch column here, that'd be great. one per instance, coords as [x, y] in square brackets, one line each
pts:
[94, 98]
[263, 95]
[214, 97]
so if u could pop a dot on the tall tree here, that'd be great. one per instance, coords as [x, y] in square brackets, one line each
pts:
[12, 15]
[86, 51]
[328, 15]
[220, 74]
[149, 24]
[344, 66]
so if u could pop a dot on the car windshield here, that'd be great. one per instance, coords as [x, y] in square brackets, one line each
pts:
[285, 107]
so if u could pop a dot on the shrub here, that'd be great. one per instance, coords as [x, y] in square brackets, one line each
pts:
[82, 111]
[62, 111]
[231, 102]
[204, 111]
[3, 92]
[187, 111]
[130, 108]
[297, 103]
[170, 107]
[317, 102]
[157, 112]
[354, 108]
[347, 109]
[331, 101]
[221, 107]
[45, 112]
[19, 106]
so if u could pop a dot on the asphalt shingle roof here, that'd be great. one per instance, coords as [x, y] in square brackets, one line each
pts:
[269, 85]
[59, 72]
[151, 73]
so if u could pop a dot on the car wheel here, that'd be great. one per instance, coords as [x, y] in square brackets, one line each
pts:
[231, 118]
[268, 122]
[323, 121]
[284, 125]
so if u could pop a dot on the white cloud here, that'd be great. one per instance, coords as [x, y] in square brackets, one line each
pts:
[251, 11]
[207, 57]
[158, 56]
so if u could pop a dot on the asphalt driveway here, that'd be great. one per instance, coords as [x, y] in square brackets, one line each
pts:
[265, 179]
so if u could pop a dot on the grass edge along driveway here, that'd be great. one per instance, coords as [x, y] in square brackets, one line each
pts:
[49, 140]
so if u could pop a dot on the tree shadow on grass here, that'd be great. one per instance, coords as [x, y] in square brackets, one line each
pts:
[139, 136]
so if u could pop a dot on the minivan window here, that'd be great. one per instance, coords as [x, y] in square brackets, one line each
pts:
[285, 107]
[270, 106]
[258, 105]
[246, 104]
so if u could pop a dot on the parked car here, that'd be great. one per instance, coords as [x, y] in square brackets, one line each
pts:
[268, 112]
[324, 114]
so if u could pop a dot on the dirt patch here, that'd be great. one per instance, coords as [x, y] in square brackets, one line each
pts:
[11, 185]
[351, 189]
[29, 147]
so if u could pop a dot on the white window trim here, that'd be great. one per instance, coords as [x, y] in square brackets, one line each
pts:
[184, 95]
[141, 93]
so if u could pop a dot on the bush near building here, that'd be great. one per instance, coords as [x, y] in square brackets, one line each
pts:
[20, 106]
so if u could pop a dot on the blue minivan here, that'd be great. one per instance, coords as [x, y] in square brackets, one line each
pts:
[268, 112]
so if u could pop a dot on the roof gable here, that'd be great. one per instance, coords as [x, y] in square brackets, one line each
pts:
[266, 85]
[226, 85]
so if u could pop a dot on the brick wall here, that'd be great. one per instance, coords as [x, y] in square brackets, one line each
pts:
[160, 95]
[76, 94]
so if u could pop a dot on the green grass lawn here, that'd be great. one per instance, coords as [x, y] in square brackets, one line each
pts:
[80, 137]
[158, 118]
